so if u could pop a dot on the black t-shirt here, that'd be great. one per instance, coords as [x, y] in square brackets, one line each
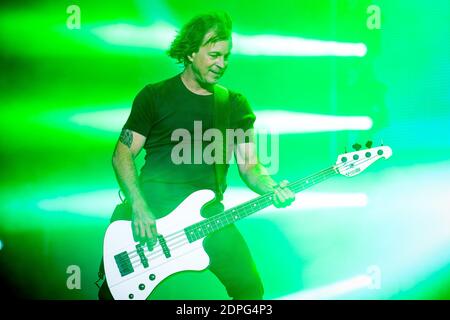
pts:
[157, 111]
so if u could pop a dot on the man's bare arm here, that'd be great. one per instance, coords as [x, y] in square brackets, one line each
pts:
[257, 178]
[127, 149]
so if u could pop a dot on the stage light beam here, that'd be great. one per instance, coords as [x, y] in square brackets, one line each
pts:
[159, 36]
[279, 122]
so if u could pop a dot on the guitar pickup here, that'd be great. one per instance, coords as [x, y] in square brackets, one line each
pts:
[124, 263]
[141, 254]
[164, 246]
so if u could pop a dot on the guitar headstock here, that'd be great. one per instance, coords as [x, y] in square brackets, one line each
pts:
[352, 163]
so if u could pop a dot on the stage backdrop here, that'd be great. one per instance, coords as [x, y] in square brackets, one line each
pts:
[320, 75]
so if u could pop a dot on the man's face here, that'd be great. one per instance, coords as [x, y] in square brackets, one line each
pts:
[211, 61]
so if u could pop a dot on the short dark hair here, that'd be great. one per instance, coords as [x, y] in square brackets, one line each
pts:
[190, 37]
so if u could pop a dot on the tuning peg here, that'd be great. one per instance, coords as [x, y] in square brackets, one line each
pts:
[356, 146]
[369, 144]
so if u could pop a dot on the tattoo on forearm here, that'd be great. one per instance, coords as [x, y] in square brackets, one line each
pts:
[126, 137]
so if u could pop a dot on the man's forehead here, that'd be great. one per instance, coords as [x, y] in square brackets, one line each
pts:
[221, 45]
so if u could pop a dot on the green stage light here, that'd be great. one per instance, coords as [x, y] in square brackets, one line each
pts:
[104, 120]
[297, 122]
[270, 45]
[97, 203]
[305, 201]
[101, 203]
[332, 291]
[277, 122]
[159, 36]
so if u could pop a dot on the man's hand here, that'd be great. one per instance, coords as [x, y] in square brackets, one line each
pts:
[143, 224]
[283, 195]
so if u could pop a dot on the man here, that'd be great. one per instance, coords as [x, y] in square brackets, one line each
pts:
[203, 46]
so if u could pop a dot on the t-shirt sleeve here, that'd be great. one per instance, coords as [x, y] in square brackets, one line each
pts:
[242, 116]
[141, 117]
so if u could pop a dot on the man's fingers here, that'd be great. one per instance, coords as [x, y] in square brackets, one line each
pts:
[277, 203]
[279, 195]
[144, 227]
[279, 198]
[284, 184]
[288, 195]
[142, 232]
[148, 230]
[154, 231]
[135, 229]
[153, 234]
[149, 236]
[283, 195]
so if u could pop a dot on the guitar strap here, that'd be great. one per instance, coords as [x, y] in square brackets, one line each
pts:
[221, 116]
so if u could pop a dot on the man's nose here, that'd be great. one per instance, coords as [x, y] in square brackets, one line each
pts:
[221, 62]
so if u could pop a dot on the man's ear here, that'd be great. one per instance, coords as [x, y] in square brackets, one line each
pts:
[191, 57]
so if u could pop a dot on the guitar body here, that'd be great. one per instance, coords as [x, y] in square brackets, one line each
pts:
[138, 281]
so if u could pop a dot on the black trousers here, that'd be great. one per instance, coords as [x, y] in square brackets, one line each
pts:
[230, 260]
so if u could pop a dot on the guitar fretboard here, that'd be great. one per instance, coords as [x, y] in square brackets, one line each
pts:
[202, 229]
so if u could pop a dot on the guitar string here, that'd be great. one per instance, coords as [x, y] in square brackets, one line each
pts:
[317, 176]
[177, 235]
[137, 263]
[156, 254]
[180, 233]
[320, 174]
[184, 240]
[158, 265]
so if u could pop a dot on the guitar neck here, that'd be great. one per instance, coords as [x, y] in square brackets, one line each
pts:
[202, 229]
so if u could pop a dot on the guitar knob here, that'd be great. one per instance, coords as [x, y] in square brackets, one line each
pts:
[369, 144]
[356, 146]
